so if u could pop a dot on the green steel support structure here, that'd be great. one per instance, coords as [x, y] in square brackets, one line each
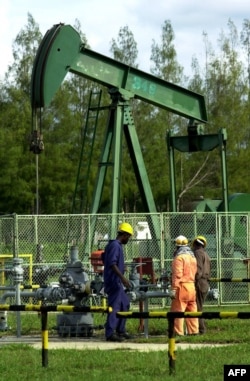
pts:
[194, 142]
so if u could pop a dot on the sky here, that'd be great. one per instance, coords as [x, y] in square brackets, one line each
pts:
[101, 21]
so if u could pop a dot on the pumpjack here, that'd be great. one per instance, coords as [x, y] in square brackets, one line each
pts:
[62, 51]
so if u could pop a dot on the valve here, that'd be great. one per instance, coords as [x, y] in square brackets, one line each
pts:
[51, 293]
[66, 280]
[134, 276]
[165, 280]
[17, 270]
[213, 294]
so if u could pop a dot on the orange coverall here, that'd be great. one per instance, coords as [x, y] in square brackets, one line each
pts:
[184, 268]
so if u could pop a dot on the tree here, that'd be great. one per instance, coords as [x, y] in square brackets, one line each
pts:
[164, 56]
[124, 49]
[164, 65]
[16, 166]
[228, 90]
[24, 50]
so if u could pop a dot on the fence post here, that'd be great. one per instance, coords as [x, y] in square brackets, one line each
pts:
[45, 341]
[171, 346]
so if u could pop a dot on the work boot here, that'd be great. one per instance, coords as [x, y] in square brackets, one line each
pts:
[125, 335]
[115, 338]
[193, 334]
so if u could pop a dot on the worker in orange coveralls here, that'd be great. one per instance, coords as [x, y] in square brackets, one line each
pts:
[182, 293]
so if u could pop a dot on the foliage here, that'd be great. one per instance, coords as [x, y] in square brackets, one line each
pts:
[125, 49]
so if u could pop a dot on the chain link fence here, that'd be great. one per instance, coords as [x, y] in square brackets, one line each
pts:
[44, 241]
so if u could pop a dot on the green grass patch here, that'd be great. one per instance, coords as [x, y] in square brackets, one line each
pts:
[22, 362]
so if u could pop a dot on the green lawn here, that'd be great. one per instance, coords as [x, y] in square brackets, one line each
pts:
[21, 362]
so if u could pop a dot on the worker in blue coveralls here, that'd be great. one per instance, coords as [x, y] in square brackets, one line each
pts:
[115, 284]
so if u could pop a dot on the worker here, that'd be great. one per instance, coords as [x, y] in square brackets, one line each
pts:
[115, 284]
[182, 292]
[202, 276]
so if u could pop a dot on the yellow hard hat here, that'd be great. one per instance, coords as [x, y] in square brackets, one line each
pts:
[125, 228]
[181, 240]
[201, 240]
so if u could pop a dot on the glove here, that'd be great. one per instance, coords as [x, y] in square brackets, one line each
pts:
[172, 293]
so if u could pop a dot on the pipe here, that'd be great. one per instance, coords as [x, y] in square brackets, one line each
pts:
[73, 254]
[13, 293]
[143, 295]
[3, 321]
[151, 295]
[7, 287]
[10, 288]
[9, 294]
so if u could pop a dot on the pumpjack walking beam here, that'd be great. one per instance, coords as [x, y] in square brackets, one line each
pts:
[62, 51]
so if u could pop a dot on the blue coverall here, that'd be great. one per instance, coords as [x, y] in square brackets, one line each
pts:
[117, 297]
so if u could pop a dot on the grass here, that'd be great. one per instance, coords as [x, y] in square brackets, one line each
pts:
[22, 362]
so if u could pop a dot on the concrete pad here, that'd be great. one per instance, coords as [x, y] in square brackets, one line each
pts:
[141, 347]
[97, 344]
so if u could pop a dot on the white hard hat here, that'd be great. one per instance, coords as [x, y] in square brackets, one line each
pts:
[181, 240]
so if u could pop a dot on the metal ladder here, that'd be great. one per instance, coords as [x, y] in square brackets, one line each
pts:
[80, 198]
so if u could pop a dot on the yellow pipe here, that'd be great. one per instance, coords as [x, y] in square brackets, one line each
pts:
[208, 315]
[60, 308]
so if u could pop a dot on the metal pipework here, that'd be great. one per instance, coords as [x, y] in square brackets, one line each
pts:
[138, 295]
[17, 271]
[17, 274]
[3, 321]
[51, 294]
[74, 288]
[139, 291]
[11, 294]
[3, 315]
[56, 293]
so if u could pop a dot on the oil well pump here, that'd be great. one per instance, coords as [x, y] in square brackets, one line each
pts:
[62, 51]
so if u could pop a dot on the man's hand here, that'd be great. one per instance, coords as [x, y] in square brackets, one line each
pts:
[126, 283]
[172, 293]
